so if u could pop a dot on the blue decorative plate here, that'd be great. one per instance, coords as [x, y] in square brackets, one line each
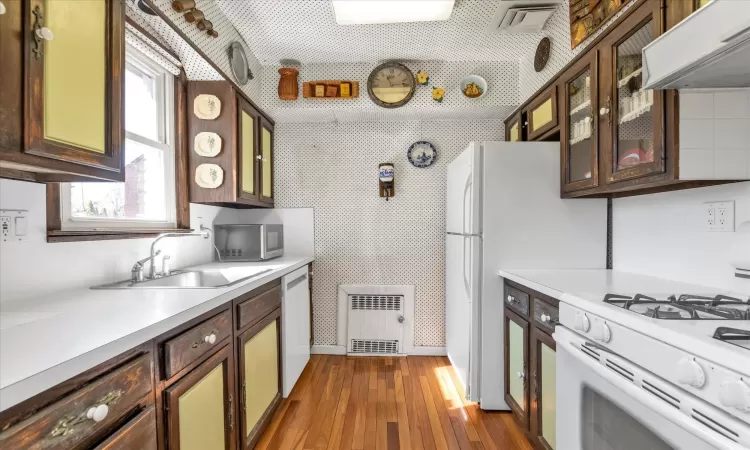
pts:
[422, 154]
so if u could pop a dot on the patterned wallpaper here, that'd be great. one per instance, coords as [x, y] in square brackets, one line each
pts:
[359, 237]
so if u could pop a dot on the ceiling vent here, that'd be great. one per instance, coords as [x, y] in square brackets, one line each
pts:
[528, 16]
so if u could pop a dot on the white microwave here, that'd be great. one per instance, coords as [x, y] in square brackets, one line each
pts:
[248, 242]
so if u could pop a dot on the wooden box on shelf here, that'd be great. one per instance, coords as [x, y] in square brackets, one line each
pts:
[339, 89]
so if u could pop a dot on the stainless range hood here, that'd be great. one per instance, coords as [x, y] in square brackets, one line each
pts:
[709, 49]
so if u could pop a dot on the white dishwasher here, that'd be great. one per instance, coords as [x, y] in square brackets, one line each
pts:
[295, 326]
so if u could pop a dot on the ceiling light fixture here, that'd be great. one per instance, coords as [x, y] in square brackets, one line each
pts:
[357, 12]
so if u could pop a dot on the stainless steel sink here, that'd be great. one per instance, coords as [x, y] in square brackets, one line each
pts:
[187, 279]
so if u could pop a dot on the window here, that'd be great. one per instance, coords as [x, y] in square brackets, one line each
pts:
[147, 197]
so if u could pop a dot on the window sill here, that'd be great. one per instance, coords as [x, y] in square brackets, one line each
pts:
[107, 235]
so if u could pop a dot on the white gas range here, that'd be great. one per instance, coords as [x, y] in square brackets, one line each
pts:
[664, 368]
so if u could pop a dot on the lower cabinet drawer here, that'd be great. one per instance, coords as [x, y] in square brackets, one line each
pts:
[181, 351]
[84, 415]
[252, 310]
[139, 433]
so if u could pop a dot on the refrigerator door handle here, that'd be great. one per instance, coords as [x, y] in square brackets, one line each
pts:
[467, 286]
[463, 217]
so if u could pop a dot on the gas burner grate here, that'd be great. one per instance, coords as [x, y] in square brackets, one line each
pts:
[684, 307]
[740, 338]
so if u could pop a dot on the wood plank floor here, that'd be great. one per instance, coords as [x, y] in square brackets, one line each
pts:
[366, 403]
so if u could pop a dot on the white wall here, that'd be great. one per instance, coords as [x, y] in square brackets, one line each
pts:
[359, 237]
[663, 234]
[34, 268]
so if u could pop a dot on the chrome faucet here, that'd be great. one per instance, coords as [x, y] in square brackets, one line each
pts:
[204, 233]
[136, 273]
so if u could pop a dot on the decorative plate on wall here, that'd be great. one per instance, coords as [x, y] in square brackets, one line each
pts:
[207, 144]
[207, 107]
[421, 154]
[542, 54]
[238, 62]
[209, 176]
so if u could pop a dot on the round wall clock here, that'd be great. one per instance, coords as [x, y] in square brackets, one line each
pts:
[421, 154]
[391, 85]
[542, 54]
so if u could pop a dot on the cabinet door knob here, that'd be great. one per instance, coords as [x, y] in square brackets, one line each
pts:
[211, 338]
[519, 374]
[259, 158]
[604, 111]
[45, 33]
[97, 413]
[2, 9]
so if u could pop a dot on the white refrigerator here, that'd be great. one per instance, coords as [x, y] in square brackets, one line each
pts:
[504, 211]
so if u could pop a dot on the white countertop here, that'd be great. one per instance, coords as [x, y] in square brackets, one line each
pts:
[49, 340]
[586, 288]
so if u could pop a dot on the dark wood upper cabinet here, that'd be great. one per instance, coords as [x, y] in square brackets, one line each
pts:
[246, 155]
[580, 125]
[63, 111]
[620, 140]
[514, 129]
[541, 114]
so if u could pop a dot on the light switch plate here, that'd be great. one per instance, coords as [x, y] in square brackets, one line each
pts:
[719, 216]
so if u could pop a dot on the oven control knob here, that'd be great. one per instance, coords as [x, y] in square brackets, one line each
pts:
[582, 322]
[689, 372]
[603, 333]
[735, 394]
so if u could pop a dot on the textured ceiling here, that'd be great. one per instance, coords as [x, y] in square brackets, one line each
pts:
[306, 30]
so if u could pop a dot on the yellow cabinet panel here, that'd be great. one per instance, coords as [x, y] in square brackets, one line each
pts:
[549, 395]
[516, 343]
[542, 115]
[261, 373]
[266, 145]
[75, 73]
[514, 135]
[248, 153]
[201, 413]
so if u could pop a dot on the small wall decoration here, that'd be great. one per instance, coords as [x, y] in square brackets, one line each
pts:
[238, 63]
[207, 107]
[288, 86]
[330, 89]
[209, 176]
[421, 154]
[422, 78]
[207, 144]
[438, 94]
[587, 16]
[542, 54]
[386, 175]
[473, 86]
[194, 15]
[391, 85]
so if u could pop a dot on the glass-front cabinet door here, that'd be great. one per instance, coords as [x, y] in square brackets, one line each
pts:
[260, 381]
[75, 56]
[516, 372]
[541, 114]
[634, 116]
[200, 414]
[579, 129]
[266, 161]
[543, 390]
[247, 142]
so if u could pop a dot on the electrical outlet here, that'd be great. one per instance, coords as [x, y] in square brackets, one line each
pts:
[720, 216]
[5, 225]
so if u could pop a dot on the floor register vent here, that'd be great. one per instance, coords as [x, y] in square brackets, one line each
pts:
[378, 319]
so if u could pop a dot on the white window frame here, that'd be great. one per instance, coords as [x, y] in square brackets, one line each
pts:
[166, 134]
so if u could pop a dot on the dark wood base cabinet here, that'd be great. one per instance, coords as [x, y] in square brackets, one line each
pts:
[616, 139]
[211, 383]
[530, 371]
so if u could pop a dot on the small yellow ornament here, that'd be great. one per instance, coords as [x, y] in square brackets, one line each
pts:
[438, 94]
[422, 78]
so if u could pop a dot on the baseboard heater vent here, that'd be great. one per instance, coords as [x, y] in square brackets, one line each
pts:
[374, 346]
[376, 302]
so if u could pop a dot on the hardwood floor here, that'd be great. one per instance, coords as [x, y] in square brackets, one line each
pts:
[366, 403]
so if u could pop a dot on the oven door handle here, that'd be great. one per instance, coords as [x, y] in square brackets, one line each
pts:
[573, 347]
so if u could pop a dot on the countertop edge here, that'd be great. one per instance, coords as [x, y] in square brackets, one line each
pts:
[544, 289]
[30, 386]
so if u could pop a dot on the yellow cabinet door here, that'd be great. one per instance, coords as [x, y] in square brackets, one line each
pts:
[75, 93]
[266, 161]
[516, 363]
[200, 414]
[259, 372]
[247, 155]
[541, 114]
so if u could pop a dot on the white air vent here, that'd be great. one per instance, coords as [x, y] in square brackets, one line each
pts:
[376, 319]
[523, 16]
[377, 347]
[377, 302]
